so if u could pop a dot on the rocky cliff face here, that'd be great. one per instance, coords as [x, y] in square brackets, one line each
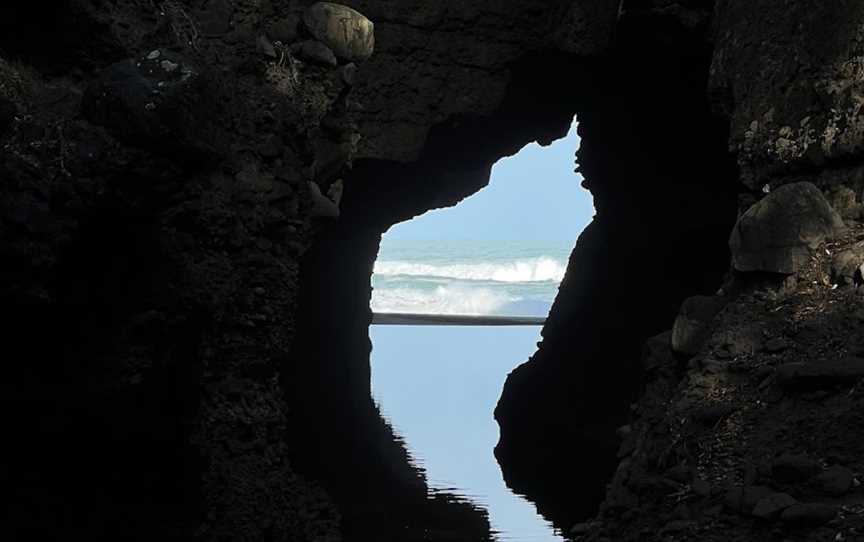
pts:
[187, 253]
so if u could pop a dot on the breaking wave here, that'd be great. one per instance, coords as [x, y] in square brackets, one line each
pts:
[542, 269]
[441, 300]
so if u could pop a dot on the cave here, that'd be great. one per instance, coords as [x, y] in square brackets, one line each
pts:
[238, 321]
[655, 159]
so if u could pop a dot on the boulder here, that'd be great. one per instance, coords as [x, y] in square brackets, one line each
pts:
[835, 481]
[802, 376]
[743, 499]
[347, 32]
[773, 505]
[693, 325]
[778, 233]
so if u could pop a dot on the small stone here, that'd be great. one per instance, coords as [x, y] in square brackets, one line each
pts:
[773, 505]
[153, 55]
[692, 327]
[714, 367]
[264, 47]
[790, 468]
[835, 481]
[678, 525]
[808, 514]
[169, 66]
[322, 206]
[701, 487]
[584, 528]
[776, 345]
[349, 73]
[710, 415]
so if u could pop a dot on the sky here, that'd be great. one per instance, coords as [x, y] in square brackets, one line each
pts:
[439, 385]
[533, 195]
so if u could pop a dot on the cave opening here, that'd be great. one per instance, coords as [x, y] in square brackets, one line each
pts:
[477, 271]
[656, 161]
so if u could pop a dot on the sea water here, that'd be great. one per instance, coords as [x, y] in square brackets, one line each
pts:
[516, 278]
[438, 386]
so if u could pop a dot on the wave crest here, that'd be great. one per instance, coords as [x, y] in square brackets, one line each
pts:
[542, 269]
[442, 300]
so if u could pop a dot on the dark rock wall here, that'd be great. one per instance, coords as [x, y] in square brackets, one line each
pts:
[155, 201]
[186, 331]
[659, 235]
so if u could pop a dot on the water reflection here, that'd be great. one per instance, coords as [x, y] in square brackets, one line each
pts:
[438, 387]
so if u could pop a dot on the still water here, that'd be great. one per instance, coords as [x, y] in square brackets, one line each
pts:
[438, 387]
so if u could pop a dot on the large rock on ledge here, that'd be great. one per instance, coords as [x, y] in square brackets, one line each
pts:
[347, 32]
[777, 233]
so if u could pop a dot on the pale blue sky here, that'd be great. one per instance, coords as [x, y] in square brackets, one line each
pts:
[534, 195]
[439, 385]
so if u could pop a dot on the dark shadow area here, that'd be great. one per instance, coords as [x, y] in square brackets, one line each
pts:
[654, 158]
[26, 26]
[656, 161]
[96, 454]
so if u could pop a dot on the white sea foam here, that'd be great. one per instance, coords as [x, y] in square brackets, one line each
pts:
[441, 300]
[542, 269]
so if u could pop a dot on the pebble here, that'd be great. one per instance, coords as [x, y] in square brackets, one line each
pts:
[776, 345]
[169, 66]
[771, 506]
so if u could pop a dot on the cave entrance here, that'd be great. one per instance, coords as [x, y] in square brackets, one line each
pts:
[495, 259]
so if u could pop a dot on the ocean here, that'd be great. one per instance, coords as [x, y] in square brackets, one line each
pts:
[513, 278]
[438, 385]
